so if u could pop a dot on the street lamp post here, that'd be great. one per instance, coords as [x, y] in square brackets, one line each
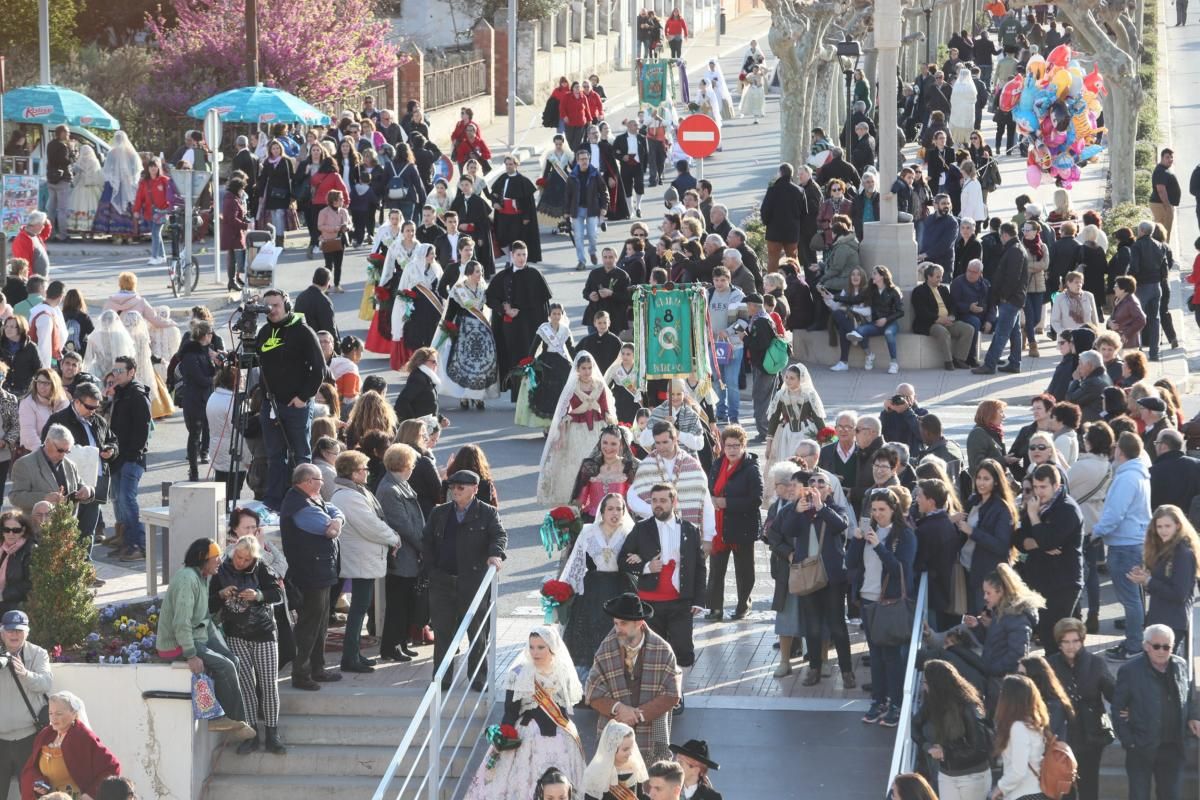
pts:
[849, 49]
[927, 7]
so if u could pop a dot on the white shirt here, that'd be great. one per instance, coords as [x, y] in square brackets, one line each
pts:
[632, 145]
[668, 542]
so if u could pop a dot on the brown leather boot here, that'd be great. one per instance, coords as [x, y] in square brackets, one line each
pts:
[117, 540]
[1033, 348]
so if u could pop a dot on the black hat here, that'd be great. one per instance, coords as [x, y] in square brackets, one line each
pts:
[1154, 404]
[464, 477]
[754, 297]
[629, 607]
[696, 749]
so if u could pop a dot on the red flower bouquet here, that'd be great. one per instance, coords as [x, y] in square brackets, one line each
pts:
[826, 435]
[501, 738]
[376, 258]
[540, 183]
[557, 591]
[450, 329]
[411, 294]
[525, 362]
[563, 515]
[382, 294]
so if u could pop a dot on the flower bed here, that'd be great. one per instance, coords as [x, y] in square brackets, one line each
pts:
[126, 634]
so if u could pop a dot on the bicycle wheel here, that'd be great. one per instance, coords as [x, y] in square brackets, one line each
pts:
[190, 276]
[173, 276]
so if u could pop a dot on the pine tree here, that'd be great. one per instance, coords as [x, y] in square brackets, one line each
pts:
[60, 606]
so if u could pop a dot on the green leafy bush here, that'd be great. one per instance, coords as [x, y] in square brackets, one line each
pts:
[1125, 215]
[60, 604]
[1143, 155]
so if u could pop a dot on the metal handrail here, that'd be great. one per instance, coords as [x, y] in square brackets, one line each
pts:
[904, 752]
[434, 703]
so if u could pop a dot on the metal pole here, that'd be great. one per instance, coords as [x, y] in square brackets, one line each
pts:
[44, 40]
[717, 22]
[252, 42]
[3, 138]
[212, 132]
[634, 72]
[928, 41]
[512, 74]
[701, 169]
[492, 632]
[433, 775]
[187, 233]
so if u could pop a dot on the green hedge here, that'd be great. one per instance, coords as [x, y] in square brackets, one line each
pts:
[1126, 215]
[1147, 122]
[1141, 183]
[1143, 155]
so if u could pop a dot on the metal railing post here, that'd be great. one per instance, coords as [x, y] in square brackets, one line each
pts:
[491, 656]
[433, 775]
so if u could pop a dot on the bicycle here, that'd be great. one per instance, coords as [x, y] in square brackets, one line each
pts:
[183, 270]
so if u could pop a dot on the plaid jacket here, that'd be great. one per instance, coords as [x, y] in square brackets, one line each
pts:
[660, 681]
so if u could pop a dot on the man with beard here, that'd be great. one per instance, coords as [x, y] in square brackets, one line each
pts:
[520, 301]
[475, 219]
[516, 211]
[938, 234]
[631, 149]
[664, 556]
[634, 678]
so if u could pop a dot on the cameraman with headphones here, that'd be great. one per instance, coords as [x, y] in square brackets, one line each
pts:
[291, 368]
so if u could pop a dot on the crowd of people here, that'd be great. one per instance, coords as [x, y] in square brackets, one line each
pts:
[1012, 528]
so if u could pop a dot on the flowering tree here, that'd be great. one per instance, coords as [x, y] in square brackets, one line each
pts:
[317, 50]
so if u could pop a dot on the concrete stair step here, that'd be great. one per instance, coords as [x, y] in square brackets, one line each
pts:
[335, 700]
[328, 760]
[355, 731]
[288, 787]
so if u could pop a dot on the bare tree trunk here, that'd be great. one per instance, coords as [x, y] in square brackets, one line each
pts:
[797, 31]
[1122, 135]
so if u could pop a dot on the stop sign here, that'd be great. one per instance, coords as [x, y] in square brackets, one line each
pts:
[699, 136]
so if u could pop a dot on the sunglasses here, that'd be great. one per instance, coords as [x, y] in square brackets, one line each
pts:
[18, 529]
[1039, 447]
[89, 407]
[1161, 647]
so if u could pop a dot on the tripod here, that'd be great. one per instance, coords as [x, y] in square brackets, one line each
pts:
[243, 416]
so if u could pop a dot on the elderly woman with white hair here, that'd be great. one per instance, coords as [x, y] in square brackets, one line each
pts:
[244, 591]
[67, 754]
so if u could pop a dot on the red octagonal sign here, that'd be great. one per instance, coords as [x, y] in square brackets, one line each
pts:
[699, 136]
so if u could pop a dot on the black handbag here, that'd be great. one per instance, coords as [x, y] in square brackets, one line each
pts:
[890, 622]
[279, 193]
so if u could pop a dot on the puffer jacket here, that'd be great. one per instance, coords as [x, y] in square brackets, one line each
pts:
[843, 256]
[1006, 640]
[365, 537]
[252, 621]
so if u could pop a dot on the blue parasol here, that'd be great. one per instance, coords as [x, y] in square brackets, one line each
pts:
[257, 104]
[46, 104]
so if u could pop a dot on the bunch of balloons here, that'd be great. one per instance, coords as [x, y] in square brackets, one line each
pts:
[1056, 105]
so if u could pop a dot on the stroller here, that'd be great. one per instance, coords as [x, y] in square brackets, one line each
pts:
[262, 255]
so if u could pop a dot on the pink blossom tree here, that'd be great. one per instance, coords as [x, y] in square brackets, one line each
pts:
[319, 51]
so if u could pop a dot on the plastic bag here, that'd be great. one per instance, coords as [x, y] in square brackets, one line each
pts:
[204, 698]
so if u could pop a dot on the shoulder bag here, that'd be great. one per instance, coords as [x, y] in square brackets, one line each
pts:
[41, 718]
[890, 622]
[809, 575]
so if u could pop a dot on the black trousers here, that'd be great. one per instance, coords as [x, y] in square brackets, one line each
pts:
[447, 608]
[1060, 603]
[194, 422]
[676, 43]
[233, 483]
[310, 218]
[333, 263]
[364, 224]
[672, 621]
[743, 572]
[312, 624]
[1087, 786]
[658, 162]
[1164, 315]
[631, 179]
[824, 611]
[401, 596]
[574, 134]
[13, 755]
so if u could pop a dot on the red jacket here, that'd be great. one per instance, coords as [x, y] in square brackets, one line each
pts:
[559, 93]
[675, 27]
[22, 245]
[151, 197]
[574, 110]
[86, 757]
[595, 105]
[1194, 279]
[466, 149]
[325, 182]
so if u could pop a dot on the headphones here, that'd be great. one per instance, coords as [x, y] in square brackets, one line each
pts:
[287, 299]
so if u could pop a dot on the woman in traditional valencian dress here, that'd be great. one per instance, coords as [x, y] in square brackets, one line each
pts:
[541, 689]
[399, 252]
[623, 382]
[795, 413]
[418, 308]
[384, 238]
[467, 362]
[595, 576]
[552, 204]
[160, 399]
[551, 351]
[122, 172]
[608, 469]
[617, 769]
[85, 192]
[584, 407]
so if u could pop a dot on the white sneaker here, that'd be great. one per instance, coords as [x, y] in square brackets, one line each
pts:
[893, 368]
[841, 366]
[854, 337]
[870, 361]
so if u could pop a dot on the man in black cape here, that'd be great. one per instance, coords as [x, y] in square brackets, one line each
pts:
[516, 211]
[475, 218]
[520, 301]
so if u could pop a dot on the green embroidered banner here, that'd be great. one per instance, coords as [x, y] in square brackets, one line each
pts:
[668, 331]
[654, 83]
